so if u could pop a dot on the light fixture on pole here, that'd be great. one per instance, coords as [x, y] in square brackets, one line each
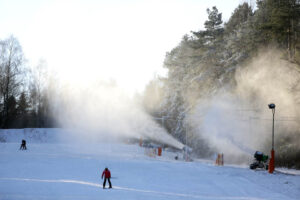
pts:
[272, 160]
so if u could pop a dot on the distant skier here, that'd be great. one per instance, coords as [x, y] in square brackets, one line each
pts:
[23, 145]
[106, 174]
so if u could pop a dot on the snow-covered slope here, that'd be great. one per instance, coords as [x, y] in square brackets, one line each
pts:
[73, 171]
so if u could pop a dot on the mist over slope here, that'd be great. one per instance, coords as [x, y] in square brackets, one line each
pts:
[238, 121]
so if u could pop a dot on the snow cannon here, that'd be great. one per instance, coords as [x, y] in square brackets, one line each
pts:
[261, 161]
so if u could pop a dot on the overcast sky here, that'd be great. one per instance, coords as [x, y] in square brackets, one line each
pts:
[123, 40]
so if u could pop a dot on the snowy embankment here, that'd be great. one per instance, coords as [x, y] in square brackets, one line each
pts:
[52, 170]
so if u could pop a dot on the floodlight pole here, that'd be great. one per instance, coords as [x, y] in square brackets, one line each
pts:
[273, 112]
[272, 160]
[186, 143]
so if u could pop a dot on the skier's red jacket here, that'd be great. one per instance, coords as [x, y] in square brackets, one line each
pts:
[106, 174]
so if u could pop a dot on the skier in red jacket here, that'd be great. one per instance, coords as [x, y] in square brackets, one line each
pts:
[106, 174]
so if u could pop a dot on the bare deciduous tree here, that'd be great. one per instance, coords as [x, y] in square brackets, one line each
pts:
[38, 90]
[11, 69]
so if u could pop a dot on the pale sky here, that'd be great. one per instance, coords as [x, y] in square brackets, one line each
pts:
[121, 40]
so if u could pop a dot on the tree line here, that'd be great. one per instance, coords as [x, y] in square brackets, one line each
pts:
[205, 61]
[24, 97]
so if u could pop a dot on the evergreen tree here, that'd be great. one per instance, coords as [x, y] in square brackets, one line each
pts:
[211, 39]
[240, 16]
[22, 110]
[12, 112]
[241, 38]
[214, 22]
[23, 104]
[278, 21]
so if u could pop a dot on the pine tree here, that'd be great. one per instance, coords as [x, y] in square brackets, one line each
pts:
[214, 22]
[239, 17]
[22, 110]
[23, 104]
[211, 39]
[278, 21]
[12, 112]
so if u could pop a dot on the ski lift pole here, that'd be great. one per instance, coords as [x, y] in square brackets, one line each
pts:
[186, 141]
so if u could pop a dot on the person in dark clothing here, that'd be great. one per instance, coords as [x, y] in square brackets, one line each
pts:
[107, 176]
[23, 145]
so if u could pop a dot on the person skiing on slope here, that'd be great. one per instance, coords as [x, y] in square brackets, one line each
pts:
[106, 174]
[23, 145]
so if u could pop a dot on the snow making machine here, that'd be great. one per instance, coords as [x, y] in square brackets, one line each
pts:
[260, 161]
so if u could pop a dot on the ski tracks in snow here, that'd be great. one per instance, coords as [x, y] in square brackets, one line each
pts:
[133, 189]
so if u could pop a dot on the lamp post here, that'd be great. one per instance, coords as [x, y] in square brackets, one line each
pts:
[186, 149]
[272, 160]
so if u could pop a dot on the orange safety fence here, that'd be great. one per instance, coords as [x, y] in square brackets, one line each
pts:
[220, 159]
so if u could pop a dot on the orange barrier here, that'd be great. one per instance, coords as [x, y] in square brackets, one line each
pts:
[159, 151]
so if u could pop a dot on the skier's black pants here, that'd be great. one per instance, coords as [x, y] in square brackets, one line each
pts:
[105, 182]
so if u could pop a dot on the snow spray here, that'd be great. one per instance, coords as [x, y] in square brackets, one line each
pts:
[238, 122]
[102, 112]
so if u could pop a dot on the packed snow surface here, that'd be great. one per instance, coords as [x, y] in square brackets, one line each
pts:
[57, 170]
